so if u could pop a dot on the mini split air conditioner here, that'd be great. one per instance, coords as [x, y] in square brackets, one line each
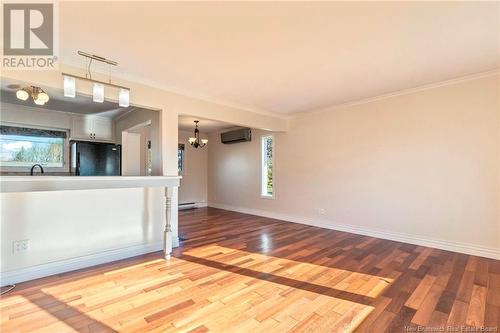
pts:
[235, 136]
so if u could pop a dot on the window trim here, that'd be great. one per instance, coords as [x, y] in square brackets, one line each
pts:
[262, 195]
[25, 169]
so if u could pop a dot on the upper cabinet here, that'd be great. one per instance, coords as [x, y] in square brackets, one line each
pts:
[81, 128]
[102, 129]
[92, 128]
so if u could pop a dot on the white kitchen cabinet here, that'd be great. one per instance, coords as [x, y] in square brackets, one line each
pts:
[92, 128]
[102, 129]
[81, 128]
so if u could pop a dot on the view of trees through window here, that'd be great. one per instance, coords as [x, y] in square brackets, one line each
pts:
[180, 157]
[21, 150]
[267, 166]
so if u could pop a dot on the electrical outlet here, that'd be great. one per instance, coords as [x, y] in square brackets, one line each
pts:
[21, 246]
[321, 211]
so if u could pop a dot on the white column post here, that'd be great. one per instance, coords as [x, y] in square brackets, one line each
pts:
[167, 234]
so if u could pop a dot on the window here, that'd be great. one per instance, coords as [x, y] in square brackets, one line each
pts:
[21, 147]
[180, 157]
[267, 184]
[149, 160]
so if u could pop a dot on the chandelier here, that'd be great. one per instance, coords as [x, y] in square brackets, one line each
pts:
[39, 96]
[195, 142]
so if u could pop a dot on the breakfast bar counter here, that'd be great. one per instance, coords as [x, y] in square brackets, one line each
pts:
[9, 184]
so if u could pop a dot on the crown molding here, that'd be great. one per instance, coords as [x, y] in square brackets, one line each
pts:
[286, 116]
[424, 87]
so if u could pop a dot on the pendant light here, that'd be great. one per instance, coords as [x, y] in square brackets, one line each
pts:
[69, 83]
[98, 92]
[124, 98]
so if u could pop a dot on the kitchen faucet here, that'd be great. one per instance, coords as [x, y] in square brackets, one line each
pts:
[33, 168]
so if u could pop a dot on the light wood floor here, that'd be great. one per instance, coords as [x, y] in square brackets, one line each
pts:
[242, 273]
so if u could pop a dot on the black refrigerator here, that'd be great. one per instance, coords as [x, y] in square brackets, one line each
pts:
[95, 159]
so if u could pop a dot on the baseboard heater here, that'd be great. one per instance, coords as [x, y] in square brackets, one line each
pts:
[187, 205]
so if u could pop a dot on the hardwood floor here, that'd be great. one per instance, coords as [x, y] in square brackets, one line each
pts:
[242, 273]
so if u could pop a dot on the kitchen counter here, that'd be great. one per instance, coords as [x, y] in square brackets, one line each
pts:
[9, 184]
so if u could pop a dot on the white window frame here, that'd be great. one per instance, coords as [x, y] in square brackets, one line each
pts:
[263, 181]
[25, 169]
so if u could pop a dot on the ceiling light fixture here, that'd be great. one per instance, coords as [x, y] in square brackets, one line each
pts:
[98, 86]
[195, 142]
[39, 96]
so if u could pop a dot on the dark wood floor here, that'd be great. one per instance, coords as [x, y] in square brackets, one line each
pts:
[242, 273]
[430, 287]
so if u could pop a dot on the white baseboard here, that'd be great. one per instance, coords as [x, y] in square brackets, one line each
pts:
[66, 265]
[466, 248]
[193, 205]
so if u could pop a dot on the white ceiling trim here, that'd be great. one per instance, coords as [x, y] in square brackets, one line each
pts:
[402, 92]
[296, 114]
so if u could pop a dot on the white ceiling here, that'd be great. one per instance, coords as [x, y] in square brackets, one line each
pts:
[285, 57]
[80, 104]
[186, 123]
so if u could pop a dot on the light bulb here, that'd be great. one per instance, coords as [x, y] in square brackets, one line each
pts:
[39, 102]
[204, 141]
[43, 97]
[22, 94]
[192, 140]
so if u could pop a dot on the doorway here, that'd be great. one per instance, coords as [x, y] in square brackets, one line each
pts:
[136, 147]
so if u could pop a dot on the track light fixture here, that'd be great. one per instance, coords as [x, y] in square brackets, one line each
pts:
[69, 82]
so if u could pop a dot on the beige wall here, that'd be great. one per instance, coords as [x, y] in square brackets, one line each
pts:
[233, 172]
[194, 178]
[417, 166]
